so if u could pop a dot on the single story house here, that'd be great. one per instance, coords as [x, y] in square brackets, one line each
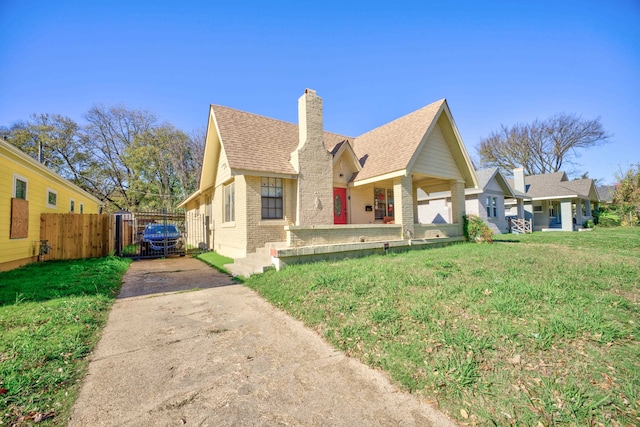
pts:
[486, 201]
[556, 203]
[27, 190]
[300, 190]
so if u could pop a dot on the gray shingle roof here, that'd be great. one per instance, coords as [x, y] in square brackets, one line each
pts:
[484, 176]
[555, 185]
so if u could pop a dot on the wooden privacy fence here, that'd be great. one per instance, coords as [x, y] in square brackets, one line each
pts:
[76, 236]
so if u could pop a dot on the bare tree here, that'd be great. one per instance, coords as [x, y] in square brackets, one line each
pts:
[122, 156]
[197, 141]
[110, 132]
[543, 146]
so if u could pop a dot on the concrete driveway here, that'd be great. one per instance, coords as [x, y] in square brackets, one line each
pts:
[220, 355]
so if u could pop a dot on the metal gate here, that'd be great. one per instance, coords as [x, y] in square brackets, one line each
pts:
[158, 234]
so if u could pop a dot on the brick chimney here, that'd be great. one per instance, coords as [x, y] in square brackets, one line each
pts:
[518, 180]
[314, 165]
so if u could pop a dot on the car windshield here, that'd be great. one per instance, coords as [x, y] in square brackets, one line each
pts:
[159, 229]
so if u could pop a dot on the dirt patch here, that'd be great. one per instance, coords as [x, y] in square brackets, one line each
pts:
[223, 356]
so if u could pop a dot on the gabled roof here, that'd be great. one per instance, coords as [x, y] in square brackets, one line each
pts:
[486, 175]
[257, 143]
[391, 147]
[557, 185]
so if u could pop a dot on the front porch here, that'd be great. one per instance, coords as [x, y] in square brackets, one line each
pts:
[562, 214]
[325, 242]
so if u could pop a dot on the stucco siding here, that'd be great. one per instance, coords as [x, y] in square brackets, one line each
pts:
[230, 238]
[361, 197]
[435, 211]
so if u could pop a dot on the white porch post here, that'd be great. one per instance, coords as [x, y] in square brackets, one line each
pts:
[457, 202]
[566, 215]
[520, 208]
[579, 217]
[416, 218]
[403, 198]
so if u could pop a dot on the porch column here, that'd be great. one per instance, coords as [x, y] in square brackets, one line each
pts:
[579, 217]
[520, 208]
[457, 202]
[416, 218]
[403, 198]
[587, 206]
[566, 215]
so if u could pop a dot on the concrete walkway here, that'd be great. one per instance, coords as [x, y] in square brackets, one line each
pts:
[222, 356]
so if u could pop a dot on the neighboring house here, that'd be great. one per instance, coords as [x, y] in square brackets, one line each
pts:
[27, 189]
[606, 192]
[556, 202]
[265, 180]
[487, 201]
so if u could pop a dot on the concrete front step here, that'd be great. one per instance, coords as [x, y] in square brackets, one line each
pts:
[254, 263]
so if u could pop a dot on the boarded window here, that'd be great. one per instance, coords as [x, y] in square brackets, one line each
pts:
[19, 219]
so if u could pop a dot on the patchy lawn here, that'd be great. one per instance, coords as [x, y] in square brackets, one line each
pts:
[532, 330]
[51, 315]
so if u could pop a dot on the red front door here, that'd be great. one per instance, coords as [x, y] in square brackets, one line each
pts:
[339, 205]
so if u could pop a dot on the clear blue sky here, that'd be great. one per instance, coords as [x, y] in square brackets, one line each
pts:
[496, 62]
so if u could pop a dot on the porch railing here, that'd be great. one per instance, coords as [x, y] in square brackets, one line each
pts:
[520, 225]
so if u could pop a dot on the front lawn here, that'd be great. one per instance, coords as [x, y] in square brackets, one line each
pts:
[532, 330]
[215, 260]
[51, 315]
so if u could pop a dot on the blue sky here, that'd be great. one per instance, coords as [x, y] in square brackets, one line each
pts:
[496, 62]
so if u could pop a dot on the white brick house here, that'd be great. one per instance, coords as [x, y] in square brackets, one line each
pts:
[266, 181]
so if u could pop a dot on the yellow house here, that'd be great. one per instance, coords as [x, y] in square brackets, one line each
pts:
[27, 189]
[272, 191]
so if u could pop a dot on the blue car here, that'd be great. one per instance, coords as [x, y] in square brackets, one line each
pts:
[157, 237]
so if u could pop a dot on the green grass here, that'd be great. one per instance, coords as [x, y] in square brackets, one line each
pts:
[533, 330]
[51, 315]
[215, 260]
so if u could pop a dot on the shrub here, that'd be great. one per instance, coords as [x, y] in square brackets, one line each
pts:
[588, 224]
[608, 219]
[476, 230]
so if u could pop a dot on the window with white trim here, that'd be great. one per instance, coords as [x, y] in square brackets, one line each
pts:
[52, 198]
[81, 208]
[72, 205]
[491, 204]
[271, 191]
[230, 202]
[19, 187]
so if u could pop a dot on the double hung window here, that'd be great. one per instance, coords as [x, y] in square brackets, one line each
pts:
[230, 202]
[271, 191]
